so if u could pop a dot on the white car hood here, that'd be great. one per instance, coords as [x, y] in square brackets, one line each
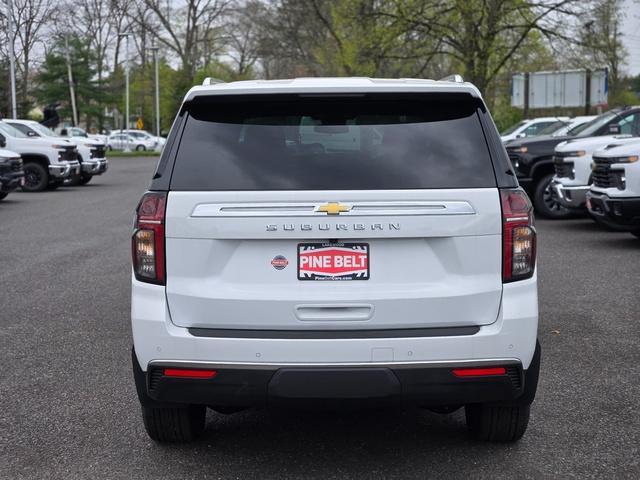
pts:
[631, 147]
[589, 144]
[8, 153]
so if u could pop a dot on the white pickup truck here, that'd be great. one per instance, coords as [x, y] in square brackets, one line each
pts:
[91, 153]
[47, 162]
[572, 161]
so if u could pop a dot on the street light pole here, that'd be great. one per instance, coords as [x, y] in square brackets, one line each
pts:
[126, 35]
[154, 49]
[12, 59]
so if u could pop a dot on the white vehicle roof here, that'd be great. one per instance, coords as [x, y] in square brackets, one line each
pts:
[627, 150]
[332, 85]
[591, 143]
[33, 124]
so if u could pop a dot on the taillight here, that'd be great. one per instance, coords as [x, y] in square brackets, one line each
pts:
[147, 243]
[518, 236]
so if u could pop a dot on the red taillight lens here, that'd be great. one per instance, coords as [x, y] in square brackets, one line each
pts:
[147, 243]
[189, 373]
[479, 372]
[519, 236]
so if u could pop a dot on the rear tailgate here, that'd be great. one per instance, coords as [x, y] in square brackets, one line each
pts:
[434, 259]
[371, 212]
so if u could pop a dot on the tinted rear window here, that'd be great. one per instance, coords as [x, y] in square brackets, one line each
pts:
[333, 143]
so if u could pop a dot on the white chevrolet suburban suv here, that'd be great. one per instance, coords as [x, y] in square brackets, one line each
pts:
[272, 267]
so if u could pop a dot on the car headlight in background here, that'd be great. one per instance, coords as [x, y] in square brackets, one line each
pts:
[577, 153]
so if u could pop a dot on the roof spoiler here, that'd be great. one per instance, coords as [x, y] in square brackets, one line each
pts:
[452, 78]
[212, 81]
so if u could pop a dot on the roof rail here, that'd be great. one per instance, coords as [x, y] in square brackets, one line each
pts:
[453, 78]
[212, 81]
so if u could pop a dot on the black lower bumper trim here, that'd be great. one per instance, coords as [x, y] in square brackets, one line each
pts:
[618, 213]
[331, 334]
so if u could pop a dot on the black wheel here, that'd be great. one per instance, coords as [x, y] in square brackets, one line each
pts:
[140, 148]
[84, 179]
[3, 195]
[545, 202]
[36, 177]
[179, 424]
[498, 423]
[635, 234]
[73, 180]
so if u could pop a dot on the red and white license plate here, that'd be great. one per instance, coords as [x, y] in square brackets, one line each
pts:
[333, 261]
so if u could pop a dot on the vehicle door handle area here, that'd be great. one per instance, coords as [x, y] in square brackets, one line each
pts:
[334, 312]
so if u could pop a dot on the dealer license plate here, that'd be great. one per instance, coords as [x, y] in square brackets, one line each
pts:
[333, 261]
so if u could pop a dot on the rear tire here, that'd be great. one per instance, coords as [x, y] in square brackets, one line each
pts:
[544, 202]
[498, 423]
[635, 234]
[177, 424]
[36, 177]
[140, 148]
[3, 195]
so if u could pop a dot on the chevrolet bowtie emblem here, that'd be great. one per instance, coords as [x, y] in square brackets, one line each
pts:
[333, 208]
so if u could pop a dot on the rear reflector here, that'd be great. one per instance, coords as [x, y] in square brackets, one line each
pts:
[479, 372]
[189, 373]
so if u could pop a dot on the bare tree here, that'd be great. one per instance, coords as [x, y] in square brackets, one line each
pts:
[30, 20]
[188, 28]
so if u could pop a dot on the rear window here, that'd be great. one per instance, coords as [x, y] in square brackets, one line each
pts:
[363, 142]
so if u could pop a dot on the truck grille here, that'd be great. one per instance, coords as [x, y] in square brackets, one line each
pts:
[563, 169]
[14, 165]
[606, 177]
[68, 153]
[98, 152]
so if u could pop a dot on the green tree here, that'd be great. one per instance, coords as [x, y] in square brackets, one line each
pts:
[53, 81]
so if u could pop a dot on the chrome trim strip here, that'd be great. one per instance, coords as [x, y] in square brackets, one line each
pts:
[271, 366]
[309, 209]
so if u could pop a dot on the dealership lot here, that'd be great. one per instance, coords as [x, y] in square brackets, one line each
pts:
[69, 407]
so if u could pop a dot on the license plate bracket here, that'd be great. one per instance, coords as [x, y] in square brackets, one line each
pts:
[326, 261]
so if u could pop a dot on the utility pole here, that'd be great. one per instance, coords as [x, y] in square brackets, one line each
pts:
[72, 91]
[154, 49]
[12, 58]
[126, 35]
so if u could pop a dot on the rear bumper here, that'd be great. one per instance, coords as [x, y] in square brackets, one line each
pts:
[251, 385]
[570, 197]
[619, 213]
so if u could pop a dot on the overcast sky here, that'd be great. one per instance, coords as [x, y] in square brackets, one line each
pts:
[631, 32]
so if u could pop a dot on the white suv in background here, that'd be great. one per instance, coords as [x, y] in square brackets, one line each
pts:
[91, 153]
[123, 141]
[614, 197]
[533, 127]
[268, 271]
[46, 162]
[572, 161]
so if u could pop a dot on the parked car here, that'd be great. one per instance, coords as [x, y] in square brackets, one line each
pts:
[123, 141]
[571, 128]
[614, 197]
[144, 135]
[46, 162]
[265, 272]
[533, 127]
[77, 132]
[532, 158]
[91, 153]
[11, 173]
[572, 161]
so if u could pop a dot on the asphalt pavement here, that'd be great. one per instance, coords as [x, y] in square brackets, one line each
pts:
[68, 407]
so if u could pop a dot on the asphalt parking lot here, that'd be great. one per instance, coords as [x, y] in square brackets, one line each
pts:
[68, 407]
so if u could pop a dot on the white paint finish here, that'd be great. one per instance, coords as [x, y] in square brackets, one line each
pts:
[512, 336]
